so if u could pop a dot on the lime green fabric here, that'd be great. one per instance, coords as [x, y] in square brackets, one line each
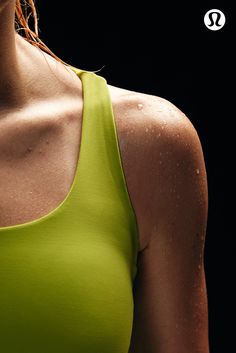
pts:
[66, 279]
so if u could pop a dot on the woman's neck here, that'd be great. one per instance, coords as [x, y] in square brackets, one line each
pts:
[12, 91]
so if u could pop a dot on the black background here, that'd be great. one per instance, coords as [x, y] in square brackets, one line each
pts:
[168, 52]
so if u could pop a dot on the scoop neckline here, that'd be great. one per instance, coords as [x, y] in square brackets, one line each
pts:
[56, 210]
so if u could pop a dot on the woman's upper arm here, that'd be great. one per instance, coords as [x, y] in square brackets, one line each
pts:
[170, 298]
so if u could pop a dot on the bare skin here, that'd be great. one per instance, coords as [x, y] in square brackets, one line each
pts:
[40, 121]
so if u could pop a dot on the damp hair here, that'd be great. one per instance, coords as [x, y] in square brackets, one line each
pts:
[25, 10]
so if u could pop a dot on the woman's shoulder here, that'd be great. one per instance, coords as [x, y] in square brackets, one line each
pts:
[157, 141]
[150, 115]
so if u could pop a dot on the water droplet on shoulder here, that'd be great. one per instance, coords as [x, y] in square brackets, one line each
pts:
[140, 106]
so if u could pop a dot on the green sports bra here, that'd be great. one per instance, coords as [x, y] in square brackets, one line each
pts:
[66, 279]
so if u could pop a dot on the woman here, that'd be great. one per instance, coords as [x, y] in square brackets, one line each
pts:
[102, 225]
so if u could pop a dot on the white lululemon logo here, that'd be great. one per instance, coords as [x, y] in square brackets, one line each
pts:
[214, 19]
